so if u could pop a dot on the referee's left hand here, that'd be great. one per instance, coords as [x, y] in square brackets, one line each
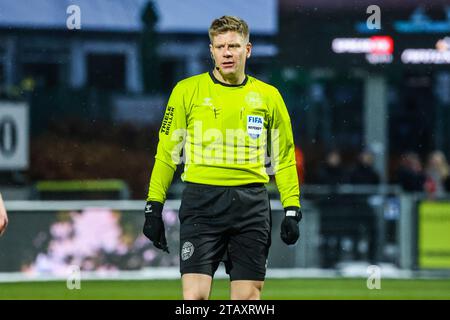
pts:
[289, 226]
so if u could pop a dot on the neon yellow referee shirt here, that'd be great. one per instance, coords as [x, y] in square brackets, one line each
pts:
[226, 135]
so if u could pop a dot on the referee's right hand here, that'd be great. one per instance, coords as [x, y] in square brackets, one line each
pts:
[154, 225]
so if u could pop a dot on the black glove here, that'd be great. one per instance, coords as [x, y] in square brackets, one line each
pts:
[289, 227]
[154, 225]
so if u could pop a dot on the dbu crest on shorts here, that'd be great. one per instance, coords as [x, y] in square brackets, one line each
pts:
[187, 250]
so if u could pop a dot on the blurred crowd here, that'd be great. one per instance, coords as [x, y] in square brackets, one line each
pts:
[333, 172]
[431, 176]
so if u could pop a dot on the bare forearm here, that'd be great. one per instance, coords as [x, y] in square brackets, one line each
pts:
[3, 216]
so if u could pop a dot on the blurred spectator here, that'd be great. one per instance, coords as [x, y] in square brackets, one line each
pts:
[410, 174]
[332, 172]
[3, 216]
[363, 172]
[437, 174]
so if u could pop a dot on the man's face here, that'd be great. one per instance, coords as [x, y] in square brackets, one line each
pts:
[230, 51]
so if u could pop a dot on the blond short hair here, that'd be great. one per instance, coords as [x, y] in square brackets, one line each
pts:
[229, 23]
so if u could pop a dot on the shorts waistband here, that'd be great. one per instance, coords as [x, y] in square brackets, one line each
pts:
[249, 185]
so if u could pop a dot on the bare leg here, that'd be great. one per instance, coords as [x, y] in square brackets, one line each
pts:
[196, 286]
[246, 290]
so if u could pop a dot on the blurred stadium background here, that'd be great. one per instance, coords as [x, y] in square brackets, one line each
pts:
[80, 108]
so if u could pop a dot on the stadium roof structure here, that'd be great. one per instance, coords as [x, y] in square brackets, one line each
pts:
[175, 16]
[345, 5]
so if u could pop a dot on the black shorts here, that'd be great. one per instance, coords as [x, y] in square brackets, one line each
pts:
[229, 224]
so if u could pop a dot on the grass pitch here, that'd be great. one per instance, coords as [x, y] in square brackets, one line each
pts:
[274, 289]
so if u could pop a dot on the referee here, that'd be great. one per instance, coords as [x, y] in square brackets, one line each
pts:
[224, 125]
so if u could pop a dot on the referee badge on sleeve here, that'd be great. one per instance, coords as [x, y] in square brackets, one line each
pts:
[255, 125]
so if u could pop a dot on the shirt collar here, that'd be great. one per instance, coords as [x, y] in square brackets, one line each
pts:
[217, 81]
